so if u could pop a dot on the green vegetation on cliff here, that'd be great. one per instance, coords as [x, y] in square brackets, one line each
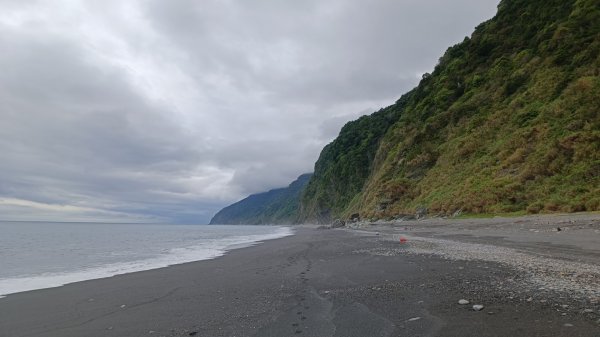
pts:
[508, 121]
[278, 206]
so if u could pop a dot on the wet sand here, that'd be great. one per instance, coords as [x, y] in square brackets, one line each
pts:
[315, 283]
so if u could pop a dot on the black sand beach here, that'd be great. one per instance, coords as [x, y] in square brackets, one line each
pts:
[315, 283]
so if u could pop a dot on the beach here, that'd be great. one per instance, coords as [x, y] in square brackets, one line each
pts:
[359, 281]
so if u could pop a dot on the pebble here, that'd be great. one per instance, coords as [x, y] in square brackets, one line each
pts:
[530, 299]
[478, 307]
[463, 302]
[123, 306]
[588, 311]
[568, 325]
[414, 319]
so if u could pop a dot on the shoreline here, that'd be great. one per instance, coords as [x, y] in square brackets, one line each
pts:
[15, 285]
[314, 283]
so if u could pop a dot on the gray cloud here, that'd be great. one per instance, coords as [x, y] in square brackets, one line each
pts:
[167, 111]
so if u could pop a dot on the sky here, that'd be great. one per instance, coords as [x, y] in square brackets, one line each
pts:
[166, 111]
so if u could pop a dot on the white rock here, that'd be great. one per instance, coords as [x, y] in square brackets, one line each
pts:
[414, 319]
[463, 302]
[588, 311]
[478, 307]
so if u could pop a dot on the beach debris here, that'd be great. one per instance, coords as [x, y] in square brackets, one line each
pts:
[123, 306]
[413, 319]
[558, 229]
[568, 325]
[463, 302]
[529, 299]
[478, 307]
[403, 239]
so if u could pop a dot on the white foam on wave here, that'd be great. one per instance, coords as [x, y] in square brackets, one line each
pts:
[205, 251]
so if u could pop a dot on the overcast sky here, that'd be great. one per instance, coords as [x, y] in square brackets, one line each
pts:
[166, 111]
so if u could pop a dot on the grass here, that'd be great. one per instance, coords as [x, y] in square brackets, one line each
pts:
[507, 123]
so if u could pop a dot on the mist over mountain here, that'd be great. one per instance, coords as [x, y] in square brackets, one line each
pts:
[277, 206]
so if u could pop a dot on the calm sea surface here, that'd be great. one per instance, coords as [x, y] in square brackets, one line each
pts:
[35, 255]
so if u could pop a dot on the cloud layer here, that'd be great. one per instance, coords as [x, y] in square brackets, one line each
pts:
[168, 110]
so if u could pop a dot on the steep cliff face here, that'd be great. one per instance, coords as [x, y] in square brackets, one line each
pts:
[278, 206]
[508, 121]
[345, 164]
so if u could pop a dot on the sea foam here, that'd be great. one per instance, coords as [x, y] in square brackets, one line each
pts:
[208, 249]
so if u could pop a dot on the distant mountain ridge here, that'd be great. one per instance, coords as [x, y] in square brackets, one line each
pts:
[277, 206]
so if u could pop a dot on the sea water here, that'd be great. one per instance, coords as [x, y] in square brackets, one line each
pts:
[37, 255]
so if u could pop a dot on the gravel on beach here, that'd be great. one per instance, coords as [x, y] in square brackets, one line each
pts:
[339, 283]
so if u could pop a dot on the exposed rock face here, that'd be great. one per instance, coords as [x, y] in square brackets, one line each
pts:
[421, 212]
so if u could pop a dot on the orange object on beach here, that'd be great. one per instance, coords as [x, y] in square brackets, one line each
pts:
[402, 239]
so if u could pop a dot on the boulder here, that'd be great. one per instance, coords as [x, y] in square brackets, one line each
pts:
[337, 223]
[478, 307]
[421, 212]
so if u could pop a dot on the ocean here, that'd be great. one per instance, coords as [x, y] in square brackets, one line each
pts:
[37, 255]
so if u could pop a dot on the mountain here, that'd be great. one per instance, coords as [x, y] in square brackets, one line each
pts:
[508, 121]
[278, 206]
